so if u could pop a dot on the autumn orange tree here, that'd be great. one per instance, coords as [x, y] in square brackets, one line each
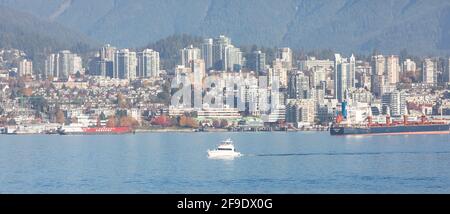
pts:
[111, 121]
[60, 117]
[161, 121]
[127, 121]
[3, 120]
[188, 122]
[121, 101]
[27, 92]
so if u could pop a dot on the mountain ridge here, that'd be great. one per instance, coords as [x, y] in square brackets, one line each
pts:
[38, 37]
[419, 26]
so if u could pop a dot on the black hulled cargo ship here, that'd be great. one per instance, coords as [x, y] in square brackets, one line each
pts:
[405, 127]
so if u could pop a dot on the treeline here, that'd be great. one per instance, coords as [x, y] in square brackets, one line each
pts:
[169, 50]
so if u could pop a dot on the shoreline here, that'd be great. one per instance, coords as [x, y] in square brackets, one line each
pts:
[170, 130]
[219, 130]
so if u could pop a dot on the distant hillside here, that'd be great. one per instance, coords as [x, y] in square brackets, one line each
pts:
[37, 37]
[419, 26]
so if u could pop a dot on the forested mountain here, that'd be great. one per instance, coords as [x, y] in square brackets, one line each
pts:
[419, 26]
[37, 37]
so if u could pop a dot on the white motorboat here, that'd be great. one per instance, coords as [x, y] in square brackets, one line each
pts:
[224, 150]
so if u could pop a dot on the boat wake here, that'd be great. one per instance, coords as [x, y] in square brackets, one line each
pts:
[343, 153]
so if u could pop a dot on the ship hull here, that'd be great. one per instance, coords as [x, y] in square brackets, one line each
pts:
[97, 131]
[386, 130]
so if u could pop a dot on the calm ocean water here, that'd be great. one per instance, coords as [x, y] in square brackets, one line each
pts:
[178, 163]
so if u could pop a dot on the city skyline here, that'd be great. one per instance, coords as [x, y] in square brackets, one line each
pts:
[237, 59]
[318, 86]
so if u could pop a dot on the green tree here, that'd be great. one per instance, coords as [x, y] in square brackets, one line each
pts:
[102, 116]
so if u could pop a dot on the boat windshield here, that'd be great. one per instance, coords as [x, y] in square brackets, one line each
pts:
[225, 149]
[227, 141]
